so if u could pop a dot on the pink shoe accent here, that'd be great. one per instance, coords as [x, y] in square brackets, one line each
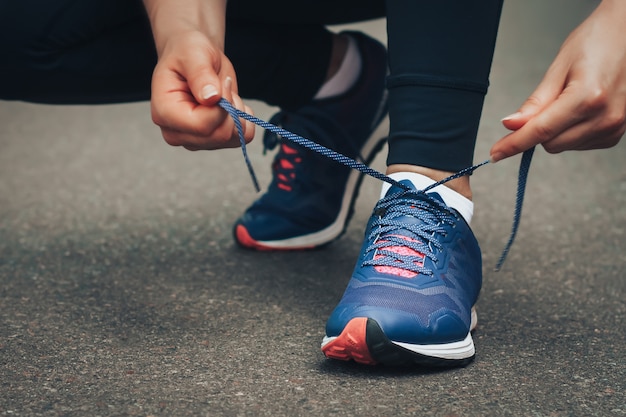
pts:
[244, 239]
[288, 149]
[400, 250]
[284, 181]
[350, 344]
[286, 164]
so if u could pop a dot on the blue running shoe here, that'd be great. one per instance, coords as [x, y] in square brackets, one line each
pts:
[411, 298]
[309, 201]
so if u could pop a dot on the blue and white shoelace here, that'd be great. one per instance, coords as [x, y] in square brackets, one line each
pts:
[351, 163]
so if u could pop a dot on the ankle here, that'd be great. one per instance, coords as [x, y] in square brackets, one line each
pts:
[344, 68]
[460, 185]
[339, 49]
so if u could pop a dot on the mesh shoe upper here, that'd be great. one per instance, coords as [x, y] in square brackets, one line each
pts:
[418, 274]
[310, 193]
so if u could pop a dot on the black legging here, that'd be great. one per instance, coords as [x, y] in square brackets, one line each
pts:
[90, 52]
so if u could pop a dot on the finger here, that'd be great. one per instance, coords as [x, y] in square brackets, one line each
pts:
[192, 148]
[174, 106]
[227, 89]
[197, 142]
[181, 114]
[590, 134]
[546, 92]
[186, 123]
[250, 131]
[561, 115]
[200, 70]
[236, 101]
[247, 126]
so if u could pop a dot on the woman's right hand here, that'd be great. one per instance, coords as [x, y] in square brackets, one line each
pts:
[192, 74]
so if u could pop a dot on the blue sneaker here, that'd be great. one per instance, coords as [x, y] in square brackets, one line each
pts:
[310, 199]
[411, 297]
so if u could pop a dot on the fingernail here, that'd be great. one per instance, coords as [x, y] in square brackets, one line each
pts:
[208, 91]
[228, 83]
[496, 157]
[511, 116]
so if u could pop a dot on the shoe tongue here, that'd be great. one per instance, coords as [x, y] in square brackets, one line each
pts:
[397, 190]
[436, 196]
[407, 197]
[394, 189]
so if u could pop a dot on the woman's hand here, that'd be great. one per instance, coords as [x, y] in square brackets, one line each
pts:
[192, 74]
[581, 102]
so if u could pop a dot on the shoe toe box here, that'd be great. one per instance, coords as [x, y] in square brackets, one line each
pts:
[412, 318]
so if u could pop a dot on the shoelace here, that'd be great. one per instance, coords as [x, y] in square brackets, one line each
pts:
[391, 232]
[351, 163]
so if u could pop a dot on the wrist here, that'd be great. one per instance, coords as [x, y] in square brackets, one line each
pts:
[170, 18]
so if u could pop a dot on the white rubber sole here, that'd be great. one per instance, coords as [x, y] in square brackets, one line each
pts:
[454, 351]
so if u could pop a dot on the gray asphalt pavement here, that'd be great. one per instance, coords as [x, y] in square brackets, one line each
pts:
[123, 294]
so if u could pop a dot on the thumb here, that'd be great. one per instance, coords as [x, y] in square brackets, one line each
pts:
[203, 79]
[209, 93]
[546, 92]
[544, 95]
[533, 105]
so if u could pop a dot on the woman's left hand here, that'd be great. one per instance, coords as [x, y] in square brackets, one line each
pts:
[581, 102]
